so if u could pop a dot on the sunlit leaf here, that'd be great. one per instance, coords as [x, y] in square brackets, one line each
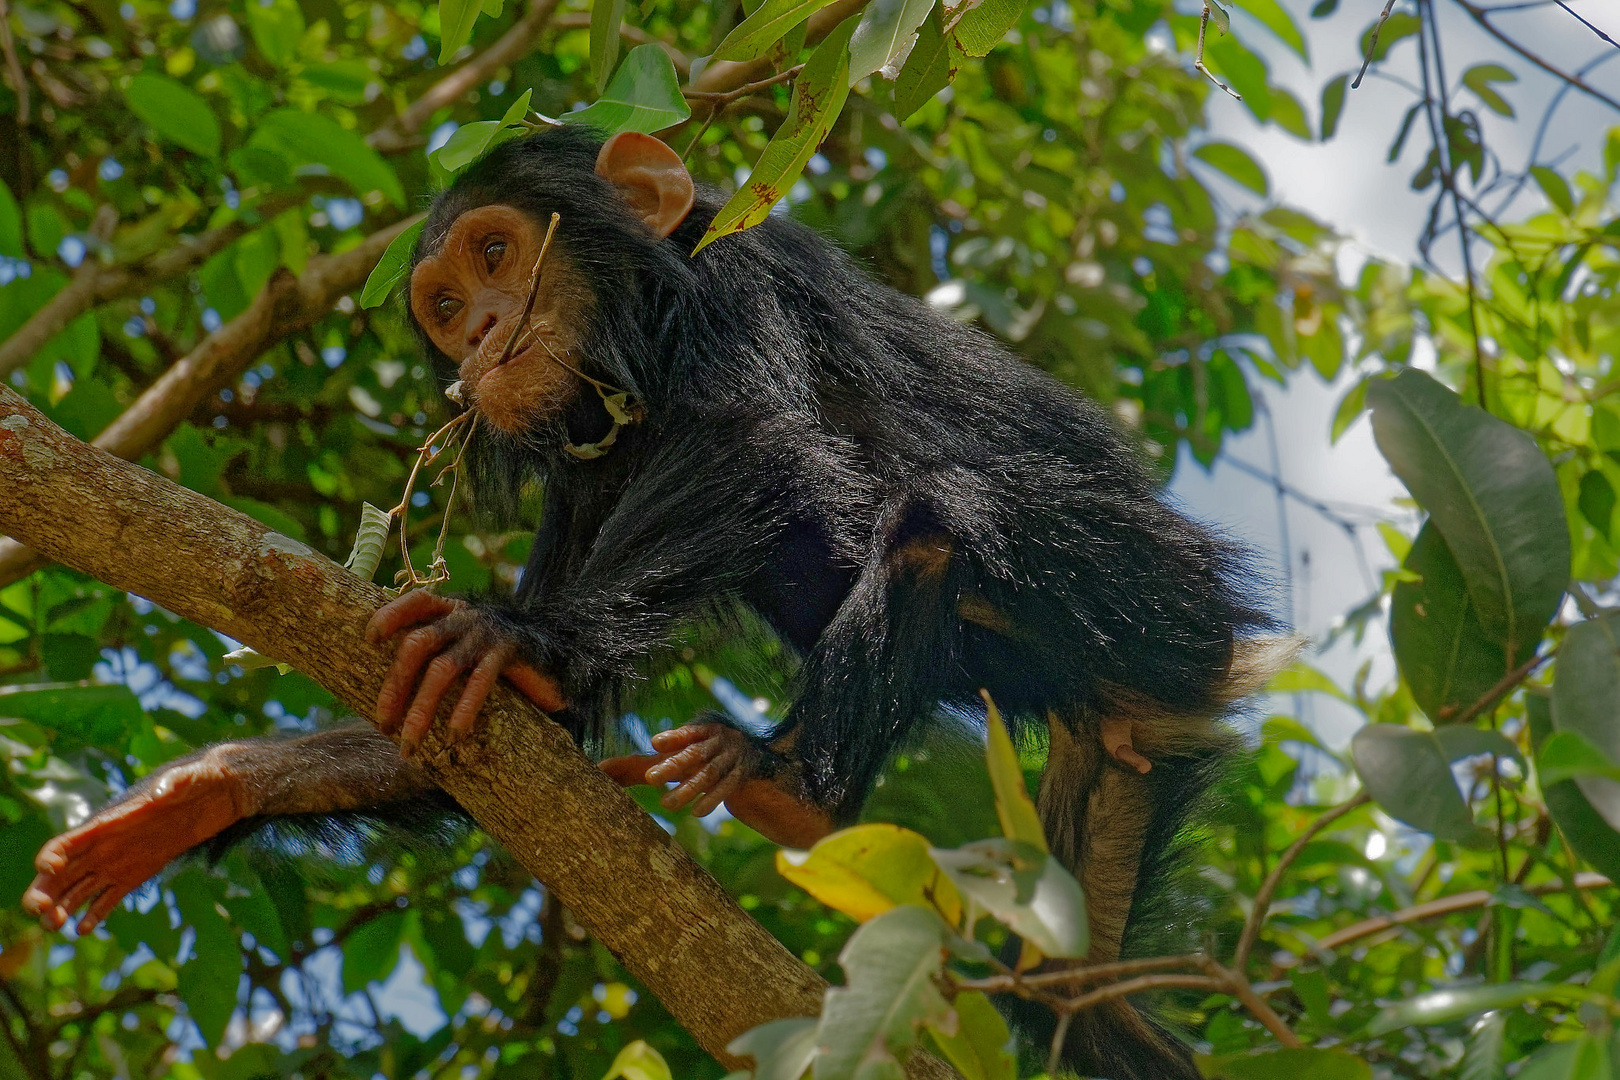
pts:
[982, 1047]
[781, 1049]
[753, 37]
[1274, 17]
[934, 62]
[1458, 1003]
[392, 269]
[1026, 889]
[871, 1023]
[1479, 79]
[456, 21]
[1492, 494]
[606, 18]
[983, 26]
[94, 714]
[884, 36]
[638, 1061]
[866, 870]
[644, 96]
[176, 112]
[277, 28]
[1555, 187]
[314, 138]
[1399, 26]
[818, 97]
[1020, 821]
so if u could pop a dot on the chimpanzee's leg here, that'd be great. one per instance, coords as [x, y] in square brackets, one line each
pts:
[194, 798]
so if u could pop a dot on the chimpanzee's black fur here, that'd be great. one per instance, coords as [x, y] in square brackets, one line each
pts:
[804, 423]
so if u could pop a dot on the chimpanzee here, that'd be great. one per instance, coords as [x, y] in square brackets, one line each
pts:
[916, 512]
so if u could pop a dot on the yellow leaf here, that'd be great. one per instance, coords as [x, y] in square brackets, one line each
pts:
[1019, 820]
[866, 870]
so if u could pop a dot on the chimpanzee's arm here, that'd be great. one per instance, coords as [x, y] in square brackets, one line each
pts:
[195, 798]
[697, 519]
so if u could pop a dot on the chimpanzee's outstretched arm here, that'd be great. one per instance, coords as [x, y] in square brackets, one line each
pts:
[193, 799]
[696, 521]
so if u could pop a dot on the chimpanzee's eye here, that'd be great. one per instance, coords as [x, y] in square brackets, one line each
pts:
[446, 307]
[494, 252]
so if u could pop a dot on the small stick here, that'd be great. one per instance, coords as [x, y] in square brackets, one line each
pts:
[1372, 46]
[534, 291]
[1198, 58]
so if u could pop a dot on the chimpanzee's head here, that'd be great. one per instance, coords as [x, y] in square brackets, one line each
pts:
[474, 267]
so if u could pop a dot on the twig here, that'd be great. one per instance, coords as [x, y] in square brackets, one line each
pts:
[1198, 56]
[454, 434]
[1372, 45]
[534, 291]
[1580, 19]
[1060, 1035]
[1262, 899]
[512, 46]
[1445, 905]
[1080, 974]
[1503, 686]
[717, 99]
[1238, 985]
[635, 35]
[1479, 15]
[1137, 985]
[9, 46]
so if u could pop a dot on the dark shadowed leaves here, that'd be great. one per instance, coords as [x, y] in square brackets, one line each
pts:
[314, 138]
[1302, 1063]
[1589, 834]
[1409, 774]
[934, 62]
[1492, 494]
[1586, 702]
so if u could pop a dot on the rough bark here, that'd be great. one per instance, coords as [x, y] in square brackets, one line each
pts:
[519, 775]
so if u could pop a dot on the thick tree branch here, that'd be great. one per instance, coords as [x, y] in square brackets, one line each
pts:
[284, 306]
[519, 775]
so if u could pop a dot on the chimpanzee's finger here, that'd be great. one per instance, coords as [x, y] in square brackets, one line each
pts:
[629, 770]
[101, 909]
[682, 764]
[718, 794]
[82, 892]
[417, 649]
[539, 688]
[416, 606]
[705, 779]
[668, 742]
[435, 681]
[476, 692]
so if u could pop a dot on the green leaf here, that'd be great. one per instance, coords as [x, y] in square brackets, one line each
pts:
[638, 1061]
[606, 18]
[207, 981]
[11, 229]
[869, 1025]
[1479, 79]
[754, 36]
[1398, 26]
[1408, 774]
[644, 96]
[1288, 114]
[1569, 754]
[982, 1046]
[1581, 1058]
[983, 26]
[1333, 95]
[1492, 494]
[473, 140]
[884, 35]
[175, 111]
[314, 138]
[1485, 1054]
[1555, 187]
[1586, 702]
[781, 1049]
[1300, 1063]
[867, 869]
[1457, 1003]
[1443, 653]
[277, 28]
[456, 21]
[1274, 17]
[1324, 8]
[1235, 163]
[1020, 821]
[818, 97]
[1461, 742]
[1026, 889]
[99, 715]
[372, 952]
[1220, 17]
[1245, 71]
[392, 269]
[1588, 833]
[934, 62]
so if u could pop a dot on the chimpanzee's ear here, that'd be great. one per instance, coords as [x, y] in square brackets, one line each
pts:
[651, 176]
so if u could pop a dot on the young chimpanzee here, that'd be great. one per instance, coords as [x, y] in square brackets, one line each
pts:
[920, 514]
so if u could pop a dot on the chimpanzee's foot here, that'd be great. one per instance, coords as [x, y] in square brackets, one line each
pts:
[102, 861]
[712, 764]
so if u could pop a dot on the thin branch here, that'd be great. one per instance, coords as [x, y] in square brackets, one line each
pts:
[1479, 15]
[635, 35]
[1505, 685]
[1372, 46]
[1580, 19]
[1238, 985]
[1445, 905]
[1262, 899]
[1137, 985]
[1077, 976]
[1198, 55]
[719, 99]
[8, 45]
[513, 46]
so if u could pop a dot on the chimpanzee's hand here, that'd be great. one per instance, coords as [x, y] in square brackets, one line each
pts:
[457, 638]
